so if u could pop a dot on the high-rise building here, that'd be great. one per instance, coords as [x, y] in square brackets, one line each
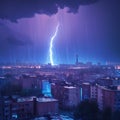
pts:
[68, 96]
[86, 91]
[77, 61]
[71, 96]
[109, 97]
[93, 91]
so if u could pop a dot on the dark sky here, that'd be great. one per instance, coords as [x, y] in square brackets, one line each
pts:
[89, 28]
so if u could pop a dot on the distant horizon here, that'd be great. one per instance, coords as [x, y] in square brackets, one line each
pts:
[79, 63]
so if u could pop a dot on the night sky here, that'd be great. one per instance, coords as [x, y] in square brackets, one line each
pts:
[89, 28]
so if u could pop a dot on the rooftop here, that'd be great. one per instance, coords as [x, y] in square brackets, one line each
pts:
[29, 99]
[24, 99]
[46, 100]
[69, 87]
[86, 83]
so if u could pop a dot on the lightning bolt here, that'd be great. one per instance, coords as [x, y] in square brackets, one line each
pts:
[51, 45]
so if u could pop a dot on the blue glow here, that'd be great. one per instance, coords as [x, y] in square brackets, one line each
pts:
[81, 94]
[14, 116]
[51, 45]
[46, 88]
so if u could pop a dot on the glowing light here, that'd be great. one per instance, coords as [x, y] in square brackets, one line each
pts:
[51, 45]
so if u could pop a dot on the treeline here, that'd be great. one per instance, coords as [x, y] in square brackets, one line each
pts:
[88, 110]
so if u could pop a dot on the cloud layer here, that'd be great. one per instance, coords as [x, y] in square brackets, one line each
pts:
[16, 9]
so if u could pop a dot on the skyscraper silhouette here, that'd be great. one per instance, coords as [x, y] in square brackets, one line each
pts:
[77, 59]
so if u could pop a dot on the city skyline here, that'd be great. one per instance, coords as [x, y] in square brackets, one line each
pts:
[92, 31]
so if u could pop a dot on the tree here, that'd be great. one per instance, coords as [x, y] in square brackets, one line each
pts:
[87, 110]
[116, 115]
[107, 113]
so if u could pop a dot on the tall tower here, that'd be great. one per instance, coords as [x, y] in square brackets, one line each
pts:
[77, 59]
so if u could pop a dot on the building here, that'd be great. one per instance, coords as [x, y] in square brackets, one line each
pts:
[68, 96]
[86, 91]
[107, 81]
[29, 82]
[93, 91]
[46, 106]
[26, 107]
[71, 96]
[77, 61]
[108, 97]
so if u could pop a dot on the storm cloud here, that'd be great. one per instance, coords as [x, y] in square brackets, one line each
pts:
[16, 9]
[17, 42]
[8, 40]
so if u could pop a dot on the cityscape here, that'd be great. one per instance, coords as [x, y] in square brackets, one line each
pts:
[59, 60]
